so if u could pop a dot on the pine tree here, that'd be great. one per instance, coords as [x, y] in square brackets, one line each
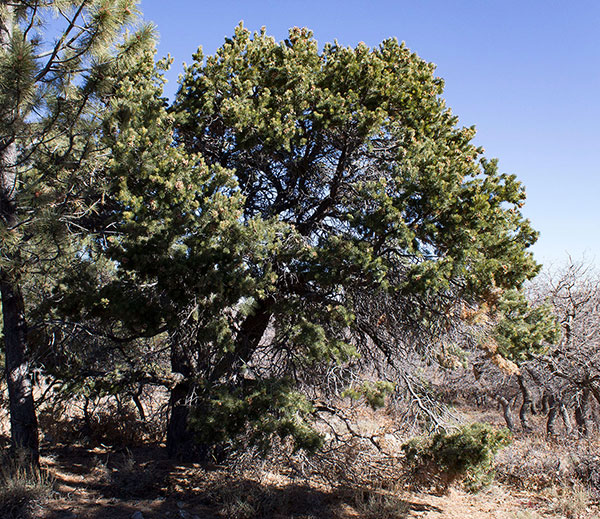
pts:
[391, 221]
[315, 207]
[53, 57]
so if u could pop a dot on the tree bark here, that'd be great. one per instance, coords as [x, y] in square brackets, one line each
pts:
[508, 415]
[582, 419]
[247, 340]
[23, 421]
[566, 417]
[527, 406]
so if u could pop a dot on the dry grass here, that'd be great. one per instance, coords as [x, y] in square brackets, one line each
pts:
[535, 463]
[570, 502]
[379, 503]
[22, 488]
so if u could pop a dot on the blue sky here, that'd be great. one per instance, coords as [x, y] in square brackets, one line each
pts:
[525, 73]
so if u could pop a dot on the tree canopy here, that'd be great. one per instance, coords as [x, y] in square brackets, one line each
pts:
[295, 225]
[316, 209]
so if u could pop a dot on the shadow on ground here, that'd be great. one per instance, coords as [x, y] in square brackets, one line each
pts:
[101, 483]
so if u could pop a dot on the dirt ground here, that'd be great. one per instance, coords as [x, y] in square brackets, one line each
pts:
[100, 482]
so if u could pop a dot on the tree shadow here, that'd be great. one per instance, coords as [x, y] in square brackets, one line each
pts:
[103, 483]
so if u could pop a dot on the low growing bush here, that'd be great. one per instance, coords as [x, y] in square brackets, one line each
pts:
[467, 453]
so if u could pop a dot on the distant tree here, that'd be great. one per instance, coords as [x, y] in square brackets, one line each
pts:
[570, 372]
[552, 339]
[53, 57]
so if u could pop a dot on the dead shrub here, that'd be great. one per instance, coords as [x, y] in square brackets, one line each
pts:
[587, 468]
[113, 420]
[115, 424]
[537, 463]
[534, 464]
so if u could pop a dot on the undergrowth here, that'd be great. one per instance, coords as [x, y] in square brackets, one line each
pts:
[467, 453]
[22, 488]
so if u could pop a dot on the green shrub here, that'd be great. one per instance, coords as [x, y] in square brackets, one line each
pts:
[467, 453]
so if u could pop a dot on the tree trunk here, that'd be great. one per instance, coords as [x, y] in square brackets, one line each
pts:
[180, 442]
[582, 418]
[179, 438]
[527, 405]
[566, 417]
[23, 421]
[508, 416]
[551, 425]
[247, 340]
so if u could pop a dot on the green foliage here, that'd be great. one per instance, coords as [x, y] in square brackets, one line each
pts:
[385, 202]
[374, 393]
[523, 330]
[54, 77]
[467, 452]
[255, 411]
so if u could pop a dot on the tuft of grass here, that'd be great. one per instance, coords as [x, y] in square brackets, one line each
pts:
[130, 478]
[570, 502]
[375, 504]
[22, 487]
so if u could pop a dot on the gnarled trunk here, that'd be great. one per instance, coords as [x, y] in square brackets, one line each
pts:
[507, 411]
[566, 417]
[554, 407]
[179, 438]
[582, 418]
[527, 406]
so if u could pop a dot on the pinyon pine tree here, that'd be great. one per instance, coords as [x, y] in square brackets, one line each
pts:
[184, 264]
[312, 215]
[390, 222]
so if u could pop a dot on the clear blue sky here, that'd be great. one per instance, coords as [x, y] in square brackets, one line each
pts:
[525, 73]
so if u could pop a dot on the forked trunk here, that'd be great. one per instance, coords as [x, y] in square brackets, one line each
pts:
[527, 406]
[507, 411]
[180, 440]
